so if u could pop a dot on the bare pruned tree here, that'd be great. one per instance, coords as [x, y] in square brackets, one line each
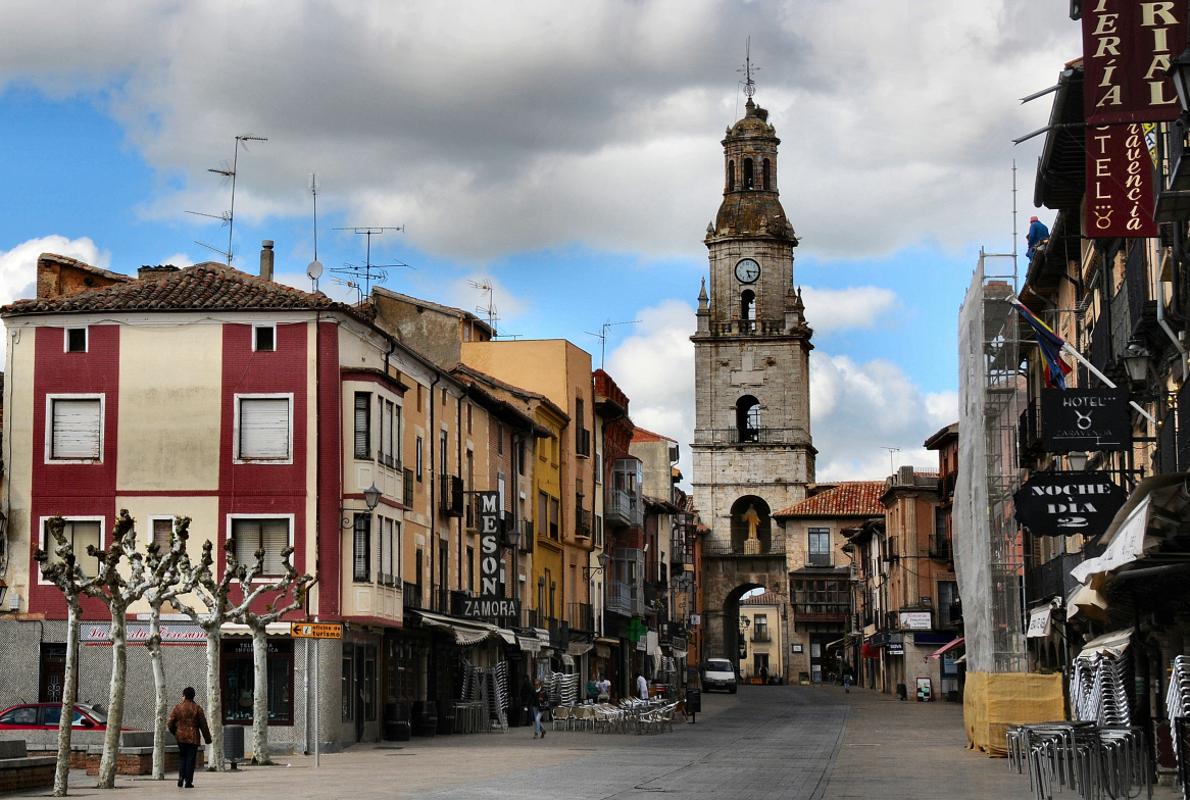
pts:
[63, 571]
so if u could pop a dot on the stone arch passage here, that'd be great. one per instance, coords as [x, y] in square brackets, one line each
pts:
[726, 578]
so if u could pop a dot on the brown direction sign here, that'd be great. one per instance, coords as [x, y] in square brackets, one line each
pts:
[315, 630]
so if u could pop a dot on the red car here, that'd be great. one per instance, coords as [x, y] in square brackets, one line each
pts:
[45, 716]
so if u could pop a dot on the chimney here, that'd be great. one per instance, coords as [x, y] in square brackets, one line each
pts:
[149, 273]
[266, 259]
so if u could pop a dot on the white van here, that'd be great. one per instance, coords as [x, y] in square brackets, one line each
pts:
[718, 674]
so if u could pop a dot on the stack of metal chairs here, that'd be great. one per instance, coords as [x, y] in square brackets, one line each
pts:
[1095, 762]
[1099, 689]
[1177, 706]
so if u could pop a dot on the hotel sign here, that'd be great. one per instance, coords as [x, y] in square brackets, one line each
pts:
[1066, 503]
[1119, 170]
[1127, 47]
[1084, 419]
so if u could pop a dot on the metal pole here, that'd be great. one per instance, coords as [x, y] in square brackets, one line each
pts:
[317, 684]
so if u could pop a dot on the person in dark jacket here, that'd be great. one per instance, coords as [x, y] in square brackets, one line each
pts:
[186, 723]
[1038, 234]
[540, 704]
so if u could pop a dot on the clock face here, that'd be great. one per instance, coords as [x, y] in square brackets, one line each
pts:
[747, 270]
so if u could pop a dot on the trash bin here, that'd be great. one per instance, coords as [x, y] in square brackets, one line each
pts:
[233, 743]
[902, 692]
[397, 727]
[693, 700]
[425, 718]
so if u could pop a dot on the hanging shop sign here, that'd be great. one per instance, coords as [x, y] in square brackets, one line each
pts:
[138, 633]
[1084, 419]
[917, 620]
[1119, 183]
[1066, 503]
[491, 603]
[895, 645]
[1127, 47]
[1039, 622]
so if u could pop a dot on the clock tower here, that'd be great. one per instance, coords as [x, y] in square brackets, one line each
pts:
[753, 454]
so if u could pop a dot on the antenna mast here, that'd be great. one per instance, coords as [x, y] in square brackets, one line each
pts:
[490, 310]
[1014, 215]
[229, 216]
[369, 271]
[314, 268]
[602, 336]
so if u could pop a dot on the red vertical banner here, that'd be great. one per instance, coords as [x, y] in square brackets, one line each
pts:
[1127, 47]
[1119, 200]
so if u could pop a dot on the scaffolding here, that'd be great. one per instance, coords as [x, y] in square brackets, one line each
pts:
[989, 557]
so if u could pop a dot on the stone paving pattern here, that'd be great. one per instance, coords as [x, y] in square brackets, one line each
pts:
[789, 742]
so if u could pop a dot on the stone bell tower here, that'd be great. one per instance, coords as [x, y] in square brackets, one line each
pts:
[753, 454]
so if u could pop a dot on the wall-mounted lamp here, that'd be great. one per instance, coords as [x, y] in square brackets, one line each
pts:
[1136, 362]
[589, 571]
[1077, 461]
[371, 500]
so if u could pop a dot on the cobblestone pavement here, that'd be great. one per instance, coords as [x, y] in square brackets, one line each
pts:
[794, 743]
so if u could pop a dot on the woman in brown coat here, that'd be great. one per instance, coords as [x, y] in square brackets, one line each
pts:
[186, 722]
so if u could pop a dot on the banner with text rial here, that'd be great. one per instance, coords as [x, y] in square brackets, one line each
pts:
[1127, 47]
[1119, 200]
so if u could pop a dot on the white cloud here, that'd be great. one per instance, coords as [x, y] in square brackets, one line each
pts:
[599, 129]
[177, 260]
[18, 266]
[858, 410]
[854, 307]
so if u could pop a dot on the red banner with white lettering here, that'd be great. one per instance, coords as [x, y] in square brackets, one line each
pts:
[1127, 47]
[1119, 201]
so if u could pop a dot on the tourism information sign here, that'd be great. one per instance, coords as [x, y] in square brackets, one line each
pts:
[1066, 503]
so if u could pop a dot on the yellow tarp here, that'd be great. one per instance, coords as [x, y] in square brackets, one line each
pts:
[996, 701]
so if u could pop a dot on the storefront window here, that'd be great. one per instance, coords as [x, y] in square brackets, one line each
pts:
[239, 681]
[348, 686]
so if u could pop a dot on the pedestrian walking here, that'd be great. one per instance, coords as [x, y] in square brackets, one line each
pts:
[642, 686]
[186, 723]
[540, 704]
[764, 674]
[605, 689]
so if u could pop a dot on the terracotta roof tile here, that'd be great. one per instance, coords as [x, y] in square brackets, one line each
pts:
[202, 287]
[846, 499]
[764, 599]
[640, 434]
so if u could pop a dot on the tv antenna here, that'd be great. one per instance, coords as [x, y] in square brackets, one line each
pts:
[602, 336]
[349, 285]
[369, 272]
[314, 268]
[490, 310]
[891, 450]
[747, 69]
[229, 173]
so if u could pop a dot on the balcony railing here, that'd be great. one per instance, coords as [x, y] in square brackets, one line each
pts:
[1052, 578]
[940, 547]
[412, 596]
[623, 509]
[747, 327]
[527, 536]
[450, 495]
[821, 612]
[582, 442]
[580, 616]
[818, 559]
[624, 598]
[749, 436]
[407, 487]
[761, 636]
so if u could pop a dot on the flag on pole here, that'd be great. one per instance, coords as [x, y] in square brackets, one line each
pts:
[1050, 344]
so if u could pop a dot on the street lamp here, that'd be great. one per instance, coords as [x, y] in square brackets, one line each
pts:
[372, 497]
[590, 572]
[1077, 461]
[1136, 362]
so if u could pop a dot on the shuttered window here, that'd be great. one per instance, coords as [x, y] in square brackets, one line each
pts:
[269, 535]
[163, 531]
[79, 533]
[363, 425]
[264, 429]
[362, 548]
[76, 428]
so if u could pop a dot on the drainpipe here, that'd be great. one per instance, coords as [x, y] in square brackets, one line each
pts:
[433, 472]
[1165, 325]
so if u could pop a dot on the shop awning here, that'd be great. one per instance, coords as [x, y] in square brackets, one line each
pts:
[835, 643]
[951, 645]
[579, 648]
[1156, 508]
[238, 629]
[869, 651]
[466, 632]
[1088, 602]
[1115, 643]
[529, 644]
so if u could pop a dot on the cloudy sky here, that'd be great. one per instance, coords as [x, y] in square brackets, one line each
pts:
[565, 153]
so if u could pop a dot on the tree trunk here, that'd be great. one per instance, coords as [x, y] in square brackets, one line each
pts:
[214, 700]
[260, 698]
[159, 708]
[115, 700]
[69, 696]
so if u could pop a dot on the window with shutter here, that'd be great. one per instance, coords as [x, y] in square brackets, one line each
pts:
[76, 428]
[264, 428]
[163, 530]
[79, 533]
[361, 548]
[363, 425]
[269, 535]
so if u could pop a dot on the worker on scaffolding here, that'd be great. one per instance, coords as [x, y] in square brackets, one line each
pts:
[1037, 237]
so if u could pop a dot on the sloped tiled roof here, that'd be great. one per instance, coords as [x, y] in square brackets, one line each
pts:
[202, 287]
[846, 499]
[764, 599]
[640, 434]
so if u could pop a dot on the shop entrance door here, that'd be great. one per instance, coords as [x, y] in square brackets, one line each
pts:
[824, 664]
[359, 693]
[52, 679]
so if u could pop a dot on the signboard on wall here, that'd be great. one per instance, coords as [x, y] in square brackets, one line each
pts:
[490, 604]
[1084, 419]
[1119, 183]
[1066, 503]
[138, 633]
[917, 620]
[1127, 48]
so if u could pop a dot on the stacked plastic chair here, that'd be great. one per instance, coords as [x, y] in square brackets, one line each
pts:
[1177, 707]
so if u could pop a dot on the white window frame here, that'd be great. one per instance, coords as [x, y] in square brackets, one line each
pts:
[86, 338]
[49, 427]
[290, 518]
[235, 442]
[258, 325]
[173, 519]
[45, 532]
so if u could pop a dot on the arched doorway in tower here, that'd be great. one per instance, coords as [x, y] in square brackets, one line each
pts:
[751, 526]
[754, 626]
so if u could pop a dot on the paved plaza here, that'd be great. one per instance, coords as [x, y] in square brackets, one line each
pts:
[765, 742]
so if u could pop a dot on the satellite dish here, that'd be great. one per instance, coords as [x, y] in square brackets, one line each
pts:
[314, 270]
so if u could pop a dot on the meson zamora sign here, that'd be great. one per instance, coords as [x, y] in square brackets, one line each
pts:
[1066, 503]
[1127, 47]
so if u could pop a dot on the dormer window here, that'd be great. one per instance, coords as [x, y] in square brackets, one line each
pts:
[264, 338]
[76, 340]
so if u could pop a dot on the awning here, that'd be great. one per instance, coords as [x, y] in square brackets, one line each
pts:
[529, 644]
[961, 659]
[602, 651]
[466, 632]
[239, 629]
[835, 643]
[1039, 622]
[1156, 507]
[579, 648]
[959, 642]
[680, 653]
[869, 651]
[1088, 602]
[1114, 643]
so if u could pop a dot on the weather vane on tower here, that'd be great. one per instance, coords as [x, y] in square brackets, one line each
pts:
[748, 69]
